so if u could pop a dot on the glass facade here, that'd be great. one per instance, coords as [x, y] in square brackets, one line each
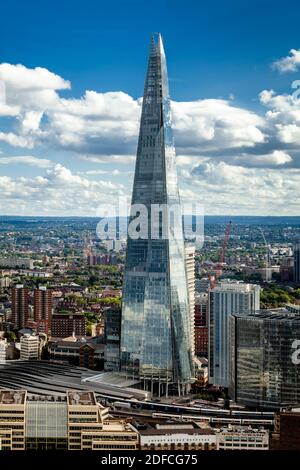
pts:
[262, 371]
[225, 299]
[155, 329]
[46, 425]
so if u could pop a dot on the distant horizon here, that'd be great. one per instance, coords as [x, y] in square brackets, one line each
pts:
[226, 216]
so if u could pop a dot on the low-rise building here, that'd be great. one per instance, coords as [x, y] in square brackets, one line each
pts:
[242, 438]
[16, 263]
[78, 352]
[177, 436]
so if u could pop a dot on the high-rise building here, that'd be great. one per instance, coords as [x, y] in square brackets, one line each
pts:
[297, 262]
[201, 325]
[224, 299]
[202, 285]
[42, 311]
[19, 306]
[263, 372]
[112, 331]
[287, 269]
[155, 329]
[190, 276]
[67, 324]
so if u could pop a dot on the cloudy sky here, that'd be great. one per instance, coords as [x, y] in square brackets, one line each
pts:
[71, 81]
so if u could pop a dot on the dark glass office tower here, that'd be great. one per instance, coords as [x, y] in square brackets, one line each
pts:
[155, 328]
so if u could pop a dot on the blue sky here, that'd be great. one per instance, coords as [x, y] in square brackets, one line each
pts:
[220, 57]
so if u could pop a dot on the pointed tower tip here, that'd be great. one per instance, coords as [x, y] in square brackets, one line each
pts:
[157, 43]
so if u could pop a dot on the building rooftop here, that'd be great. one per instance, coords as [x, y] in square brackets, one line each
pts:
[12, 397]
[235, 286]
[83, 398]
[273, 314]
[174, 430]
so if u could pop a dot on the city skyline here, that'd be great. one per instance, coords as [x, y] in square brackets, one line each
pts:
[69, 121]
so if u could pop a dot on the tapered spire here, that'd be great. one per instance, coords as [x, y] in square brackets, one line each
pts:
[155, 334]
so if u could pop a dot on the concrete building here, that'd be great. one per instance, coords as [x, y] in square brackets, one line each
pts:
[78, 352]
[30, 347]
[12, 419]
[174, 436]
[19, 306]
[70, 421]
[66, 324]
[5, 282]
[91, 428]
[190, 277]
[224, 299]
[3, 348]
[242, 438]
[201, 325]
[42, 311]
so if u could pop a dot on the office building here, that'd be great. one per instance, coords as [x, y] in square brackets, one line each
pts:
[67, 324]
[112, 332]
[70, 421]
[263, 359]
[42, 310]
[183, 436]
[297, 262]
[19, 306]
[224, 299]
[155, 330]
[242, 438]
[91, 428]
[30, 347]
[12, 419]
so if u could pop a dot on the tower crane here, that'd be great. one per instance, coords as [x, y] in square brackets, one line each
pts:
[219, 270]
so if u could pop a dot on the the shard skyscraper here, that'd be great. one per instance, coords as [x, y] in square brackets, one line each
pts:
[155, 327]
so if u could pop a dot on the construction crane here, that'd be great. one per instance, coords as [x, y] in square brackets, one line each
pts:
[214, 280]
[268, 248]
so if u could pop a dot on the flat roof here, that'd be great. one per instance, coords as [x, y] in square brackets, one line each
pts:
[81, 398]
[12, 397]
[171, 430]
[271, 314]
